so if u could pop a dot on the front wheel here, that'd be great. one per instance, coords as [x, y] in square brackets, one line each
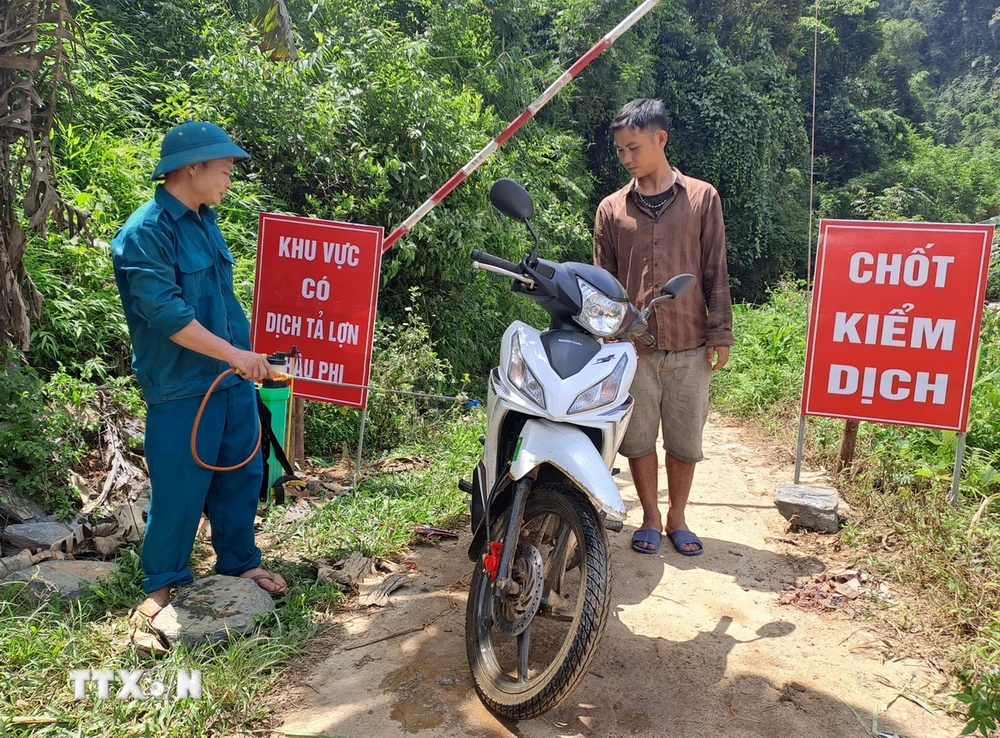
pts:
[529, 651]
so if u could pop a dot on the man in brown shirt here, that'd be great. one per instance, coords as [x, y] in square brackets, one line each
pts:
[663, 224]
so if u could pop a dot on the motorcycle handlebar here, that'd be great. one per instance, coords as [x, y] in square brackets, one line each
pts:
[647, 339]
[489, 259]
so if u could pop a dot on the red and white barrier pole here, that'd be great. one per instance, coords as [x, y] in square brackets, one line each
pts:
[529, 112]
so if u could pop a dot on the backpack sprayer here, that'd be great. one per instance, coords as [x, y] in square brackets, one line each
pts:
[274, 411]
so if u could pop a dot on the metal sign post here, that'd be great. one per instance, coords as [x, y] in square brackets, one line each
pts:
[798, 448]
[957, 476]
[361, 446]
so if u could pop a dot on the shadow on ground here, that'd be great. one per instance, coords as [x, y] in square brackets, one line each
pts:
[640, 684]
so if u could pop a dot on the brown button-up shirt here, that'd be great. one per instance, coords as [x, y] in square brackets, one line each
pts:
[644, 251]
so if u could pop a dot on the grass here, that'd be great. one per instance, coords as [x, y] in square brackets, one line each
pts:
[899, 482]
[40, 644]
[378, 519]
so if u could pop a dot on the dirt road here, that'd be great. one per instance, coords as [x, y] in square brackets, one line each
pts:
[695, 647]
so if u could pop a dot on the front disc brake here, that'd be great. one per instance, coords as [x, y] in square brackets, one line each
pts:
[513, 613]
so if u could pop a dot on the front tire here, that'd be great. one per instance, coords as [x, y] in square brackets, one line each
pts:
[536, 667]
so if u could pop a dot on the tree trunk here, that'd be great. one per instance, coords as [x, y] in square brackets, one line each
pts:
[33, 69]
[848, 441]
[20, 301]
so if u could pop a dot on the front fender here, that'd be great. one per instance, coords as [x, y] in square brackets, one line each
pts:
[568, 449]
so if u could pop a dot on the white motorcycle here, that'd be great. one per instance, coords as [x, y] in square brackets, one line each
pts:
[543, 494]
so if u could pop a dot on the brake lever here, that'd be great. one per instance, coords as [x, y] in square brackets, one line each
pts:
[497, 270]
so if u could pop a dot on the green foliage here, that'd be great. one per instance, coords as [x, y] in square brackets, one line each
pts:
[82, 328]
[942, 56]
[764, 373]
[156, 33]
[403, 360]
[378, 518]
[42, 432]
[981, 697]
[365, 130]
[933, 182]
[105, 174]
[744, 134]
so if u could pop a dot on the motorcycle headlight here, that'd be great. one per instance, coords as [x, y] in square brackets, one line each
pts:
[602, 393]
[520, 374]
[599, 314]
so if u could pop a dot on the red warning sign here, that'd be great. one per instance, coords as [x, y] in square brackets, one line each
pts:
[317, 289]
[895, 322]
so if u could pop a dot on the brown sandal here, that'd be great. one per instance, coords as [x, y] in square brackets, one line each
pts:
[270, 577]
[145, 636]
[140, 617]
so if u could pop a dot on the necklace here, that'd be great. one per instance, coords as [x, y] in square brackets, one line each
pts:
[654, 207]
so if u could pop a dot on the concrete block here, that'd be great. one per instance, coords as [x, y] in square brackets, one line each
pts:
[808, 506]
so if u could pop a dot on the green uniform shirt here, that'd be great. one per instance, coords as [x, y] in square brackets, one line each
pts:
[172, 266]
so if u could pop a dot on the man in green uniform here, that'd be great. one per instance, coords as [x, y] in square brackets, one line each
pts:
[175, 275]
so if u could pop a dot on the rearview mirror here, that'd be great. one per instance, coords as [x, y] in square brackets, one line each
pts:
[678, 286]
[512, 200]
[675, 287]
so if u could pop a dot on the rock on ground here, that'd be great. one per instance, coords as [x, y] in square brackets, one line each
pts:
[65, 577]
[808, 506]
[212, 609]
[16, 509]
[35, 535]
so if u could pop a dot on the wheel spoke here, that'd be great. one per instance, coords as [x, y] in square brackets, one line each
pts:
[523, 644]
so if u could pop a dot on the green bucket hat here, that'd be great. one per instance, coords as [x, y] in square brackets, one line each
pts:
[195, 142]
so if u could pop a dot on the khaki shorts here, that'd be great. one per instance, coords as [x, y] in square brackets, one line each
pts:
[670, 389]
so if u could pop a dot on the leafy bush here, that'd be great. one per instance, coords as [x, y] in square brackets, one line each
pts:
[984, 413]
[364, 132]
[764, 373]
[82, 327]
[403, 359]
[981, 697]
[105, 173]
[933, 182]
[42, 429]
